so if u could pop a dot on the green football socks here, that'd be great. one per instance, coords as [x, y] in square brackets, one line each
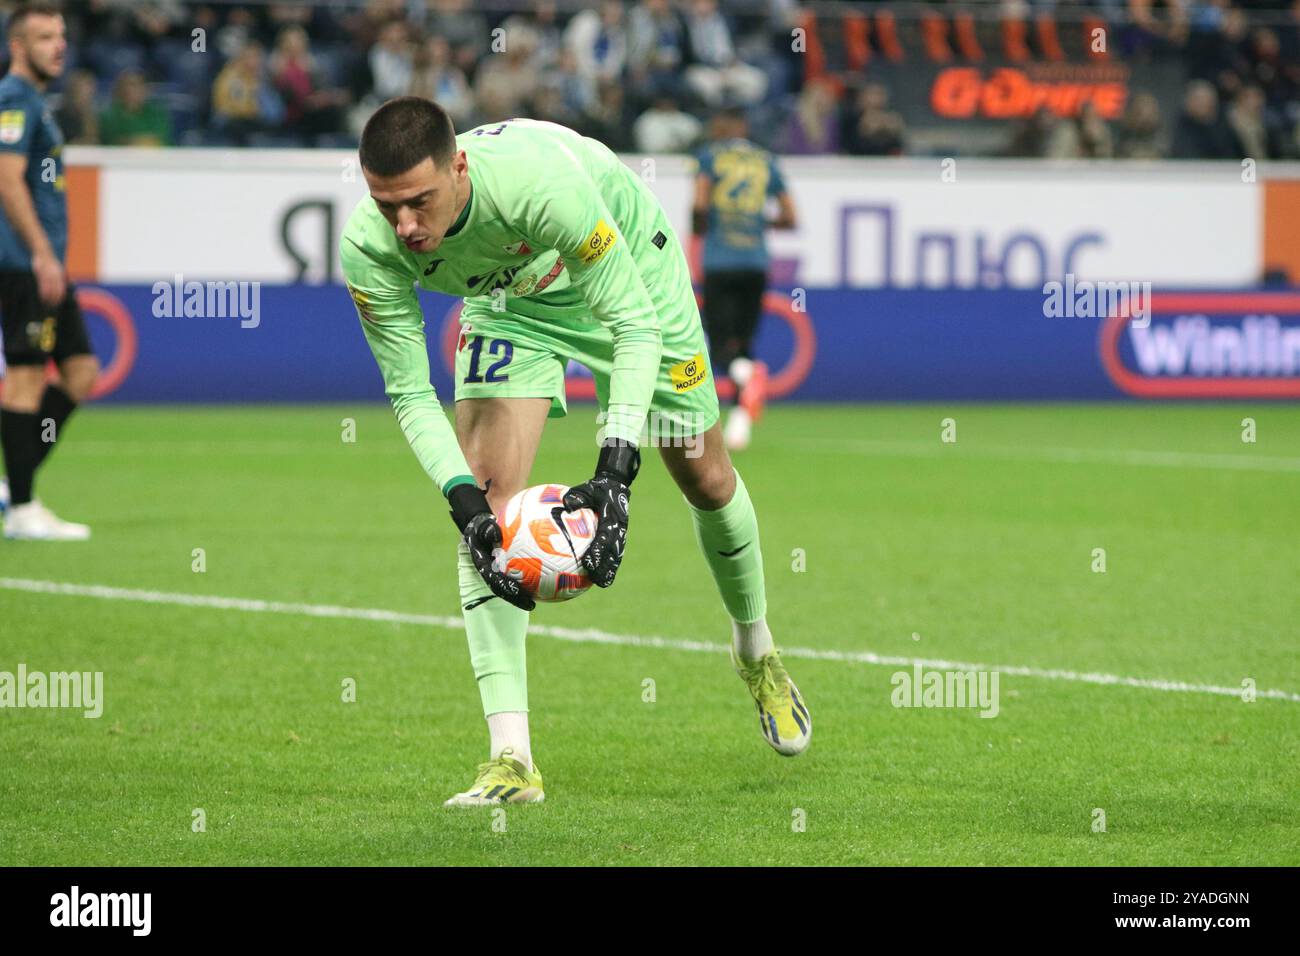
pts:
[729, 539]
[496, 632]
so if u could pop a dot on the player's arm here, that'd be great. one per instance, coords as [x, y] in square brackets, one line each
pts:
[20, 212]
[700, 207]
[571, 217]
[785, 216]
[393, 324]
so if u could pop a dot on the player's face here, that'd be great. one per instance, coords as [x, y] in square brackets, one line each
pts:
[44, 44]
[422, 203]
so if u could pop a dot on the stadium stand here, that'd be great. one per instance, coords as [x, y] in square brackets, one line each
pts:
[1224, 74]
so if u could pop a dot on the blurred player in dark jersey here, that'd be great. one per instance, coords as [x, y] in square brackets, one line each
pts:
[38, 307]
[735, 181]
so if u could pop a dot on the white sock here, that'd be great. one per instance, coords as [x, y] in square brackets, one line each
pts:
[737, 413]
[510, 729]
[740, 370]
[751, 641]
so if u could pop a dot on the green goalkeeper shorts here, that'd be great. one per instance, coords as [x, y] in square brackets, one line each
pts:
[501, 354]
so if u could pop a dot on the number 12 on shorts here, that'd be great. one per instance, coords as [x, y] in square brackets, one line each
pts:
[495, 347]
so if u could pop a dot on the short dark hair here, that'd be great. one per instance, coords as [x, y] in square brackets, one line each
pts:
[403, 133]
[25, 10]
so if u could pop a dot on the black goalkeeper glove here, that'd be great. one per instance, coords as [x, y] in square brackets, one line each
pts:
[478, 525]
[607, 494]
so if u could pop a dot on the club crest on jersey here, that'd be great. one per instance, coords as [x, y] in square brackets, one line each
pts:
[530, 284]
[12, 124]
[520, 248]
[600, 241]
[686, 375]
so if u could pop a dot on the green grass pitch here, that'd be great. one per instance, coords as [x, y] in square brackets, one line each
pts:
[983, 549]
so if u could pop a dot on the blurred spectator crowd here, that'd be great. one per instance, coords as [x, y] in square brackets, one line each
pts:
[1241, 98]
[640, 76]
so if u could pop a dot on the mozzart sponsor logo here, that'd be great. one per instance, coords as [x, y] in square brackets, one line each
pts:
[1207, 345]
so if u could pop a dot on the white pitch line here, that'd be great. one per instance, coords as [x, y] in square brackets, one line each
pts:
[226, 604]
[182, 448]
[595, 636]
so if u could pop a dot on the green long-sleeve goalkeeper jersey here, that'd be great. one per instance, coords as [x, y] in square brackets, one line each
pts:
[542, 237]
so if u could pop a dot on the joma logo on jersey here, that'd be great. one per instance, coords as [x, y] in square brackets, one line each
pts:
[490, 281]
[686, 375]
[600, 241]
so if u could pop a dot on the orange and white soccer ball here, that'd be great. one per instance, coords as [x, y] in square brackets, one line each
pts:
[542, 544]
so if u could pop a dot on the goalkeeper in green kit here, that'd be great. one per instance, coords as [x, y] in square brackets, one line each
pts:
[560, 252]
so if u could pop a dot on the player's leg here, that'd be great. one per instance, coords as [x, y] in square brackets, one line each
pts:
[726, 528]
[500, 437]
[748, 375]
[60, 398]
[719, 315]
[508, 380]
[31, 336]
[684, 424]
[19, 426]
[20, 315]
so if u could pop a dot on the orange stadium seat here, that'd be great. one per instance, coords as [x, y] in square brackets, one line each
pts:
[1014, 47]
[1049, 44]
[934, 38]
[857, 48]
[836, 45]
[814, 60]
[968, 44]
[887, 37]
